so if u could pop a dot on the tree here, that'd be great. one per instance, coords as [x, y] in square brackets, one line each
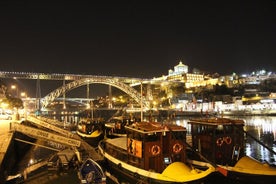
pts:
[13, 102]
[3, 88]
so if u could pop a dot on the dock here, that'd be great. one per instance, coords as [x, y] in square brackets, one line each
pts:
[6, 141]
[44, 129]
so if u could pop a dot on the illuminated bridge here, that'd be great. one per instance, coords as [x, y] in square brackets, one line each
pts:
[72, 81]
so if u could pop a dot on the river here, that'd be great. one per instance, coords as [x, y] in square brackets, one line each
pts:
[263, 128]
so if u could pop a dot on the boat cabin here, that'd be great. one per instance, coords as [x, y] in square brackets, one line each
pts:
[220, 140]
[117, 124]
[88, 125]
[153, 146]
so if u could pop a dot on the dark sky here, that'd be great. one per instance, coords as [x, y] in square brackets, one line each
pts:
[136, 38]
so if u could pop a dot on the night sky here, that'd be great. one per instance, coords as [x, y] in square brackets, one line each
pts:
[136, 38]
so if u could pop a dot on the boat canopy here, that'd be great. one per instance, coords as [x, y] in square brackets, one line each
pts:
[216, 121]
[154, 127]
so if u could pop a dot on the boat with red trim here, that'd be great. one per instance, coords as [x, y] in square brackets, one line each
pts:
[151, 152]
[222, 142]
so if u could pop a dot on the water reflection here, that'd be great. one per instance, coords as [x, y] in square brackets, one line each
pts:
[263, 129]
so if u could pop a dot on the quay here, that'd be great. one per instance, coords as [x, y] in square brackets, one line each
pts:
[46, 129]
[5, 161]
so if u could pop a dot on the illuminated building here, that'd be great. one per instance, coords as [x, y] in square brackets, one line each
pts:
[180, 73]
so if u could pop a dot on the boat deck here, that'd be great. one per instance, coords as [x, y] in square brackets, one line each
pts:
[120, 142]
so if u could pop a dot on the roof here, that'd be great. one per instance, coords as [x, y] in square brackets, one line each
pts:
[153, 127]
[216, 121]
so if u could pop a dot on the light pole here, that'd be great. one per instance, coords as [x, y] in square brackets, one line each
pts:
[23, 96]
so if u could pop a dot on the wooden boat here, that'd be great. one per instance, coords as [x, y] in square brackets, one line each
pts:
[91, 130]
[115, 126]
[91, 172]
[222, 142]
[151, 153]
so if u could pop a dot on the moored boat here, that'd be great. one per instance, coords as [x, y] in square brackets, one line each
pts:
[222, 142]
[91, 130]
[115, 126]
[91, 172]
[151, 153]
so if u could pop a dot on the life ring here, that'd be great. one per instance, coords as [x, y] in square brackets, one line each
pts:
[228, 140]
[155, 150]
[219, 141]
[177, 148]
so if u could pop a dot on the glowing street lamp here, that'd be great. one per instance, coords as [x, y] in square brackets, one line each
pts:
[14, 87]
[4, 105]
[23, 95]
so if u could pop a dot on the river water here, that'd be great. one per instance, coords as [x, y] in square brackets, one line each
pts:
[262, 128]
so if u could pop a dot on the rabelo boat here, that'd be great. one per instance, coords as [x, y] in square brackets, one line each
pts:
[151, 152]
[115, 126]
[91, 130]
[222, 141]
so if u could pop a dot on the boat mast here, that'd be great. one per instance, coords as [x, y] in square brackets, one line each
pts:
[141, 101]
[90, 102]
[92, 109]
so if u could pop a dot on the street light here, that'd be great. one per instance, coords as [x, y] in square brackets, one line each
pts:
[24, 98]
[23, 95]
[14, 87]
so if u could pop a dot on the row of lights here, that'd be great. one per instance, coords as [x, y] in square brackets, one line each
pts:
[22, 94]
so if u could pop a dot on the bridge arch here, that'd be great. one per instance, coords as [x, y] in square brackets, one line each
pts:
[102, 80]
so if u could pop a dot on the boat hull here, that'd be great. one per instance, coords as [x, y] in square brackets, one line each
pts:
[125, 176]
[130, 174]
[92, 140]
[237, 173]
[249, 169]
